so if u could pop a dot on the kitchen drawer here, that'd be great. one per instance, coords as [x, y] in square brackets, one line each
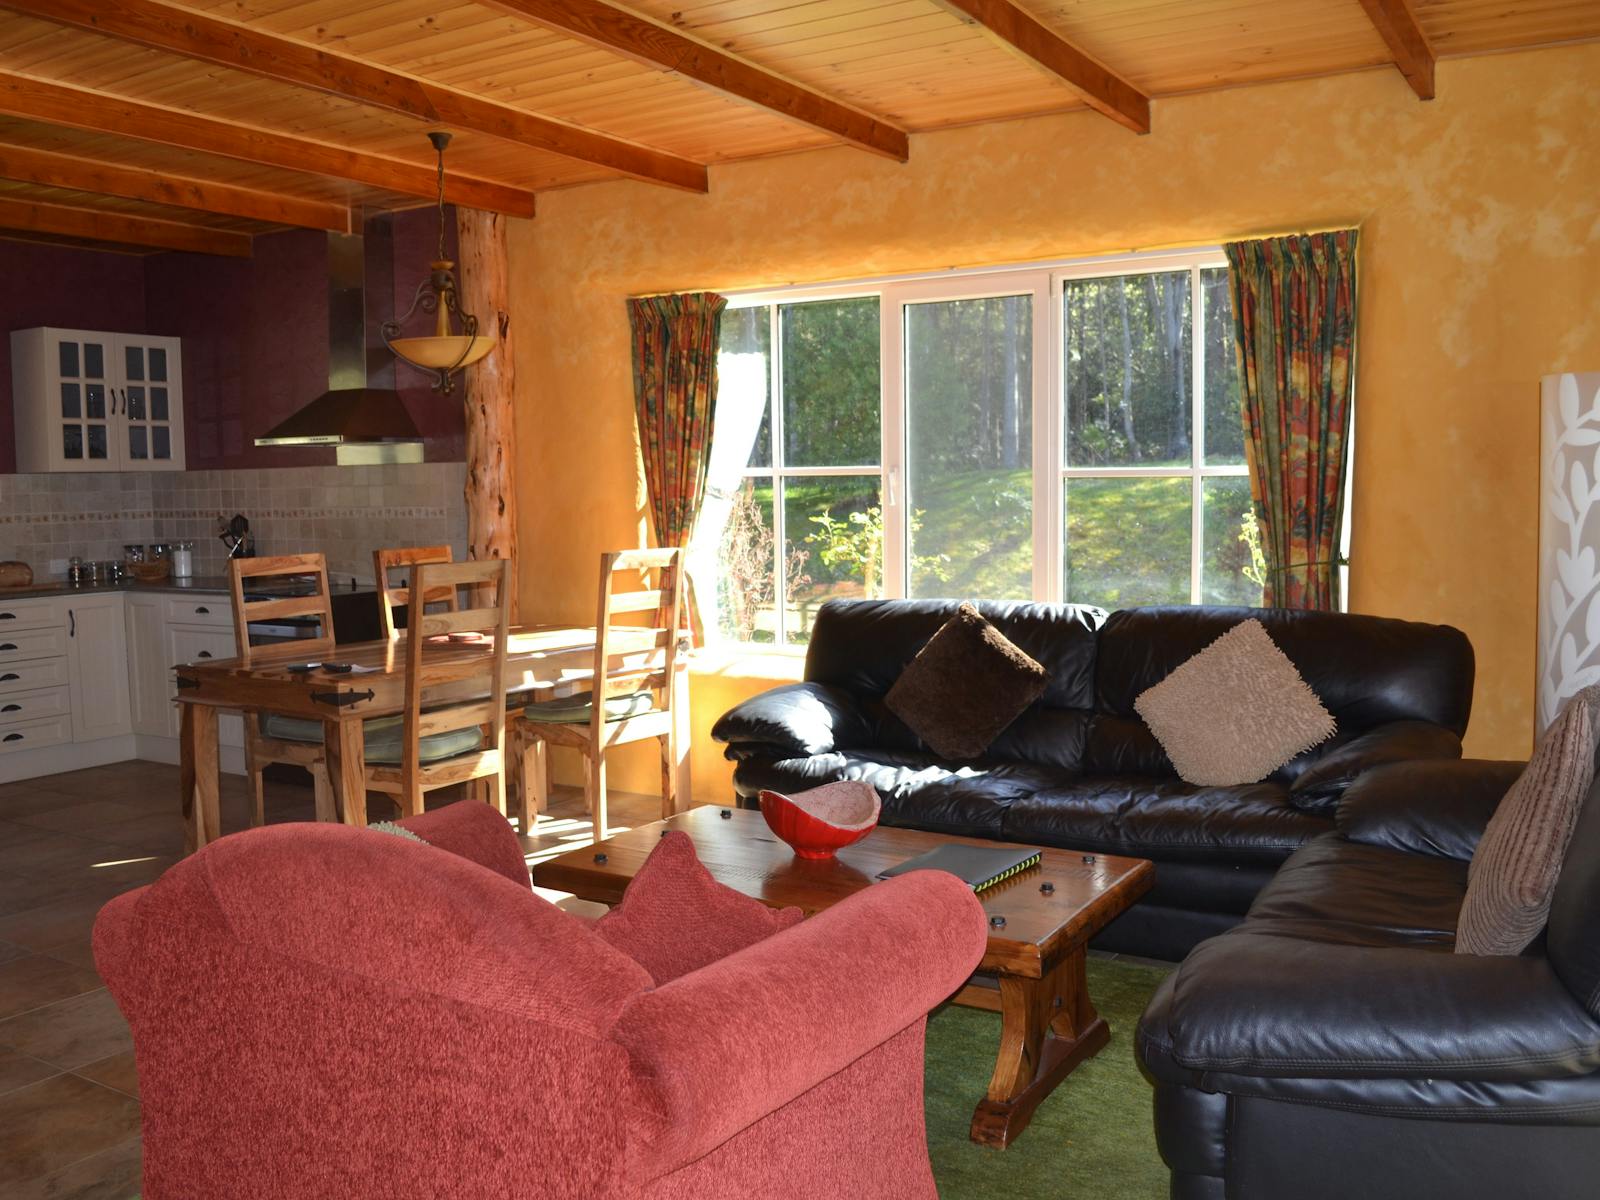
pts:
[31, 676]
[29, 614]
[19, 645]
[202, 609]
[198, 644]
[35, 735]
[32, 706]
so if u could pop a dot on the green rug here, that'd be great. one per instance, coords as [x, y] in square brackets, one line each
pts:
[1091, 1138]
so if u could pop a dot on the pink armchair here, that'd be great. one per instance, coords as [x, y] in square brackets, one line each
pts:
[321, 1011]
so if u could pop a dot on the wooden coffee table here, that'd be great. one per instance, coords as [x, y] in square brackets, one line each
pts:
[1036, 957]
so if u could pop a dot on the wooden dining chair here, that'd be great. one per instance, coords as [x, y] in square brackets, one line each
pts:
[444, 738]
[634, 696]
[391, 595]
[271, 737]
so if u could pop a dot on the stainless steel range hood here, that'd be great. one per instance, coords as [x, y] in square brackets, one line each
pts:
[364, 424]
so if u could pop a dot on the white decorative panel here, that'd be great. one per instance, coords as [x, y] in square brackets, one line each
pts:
[1569, 540]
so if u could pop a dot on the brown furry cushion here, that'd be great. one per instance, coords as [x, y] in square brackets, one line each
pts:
[965, 686]
[1235, 712]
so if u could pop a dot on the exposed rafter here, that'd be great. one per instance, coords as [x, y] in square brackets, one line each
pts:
[79, 108]
[644, 41]
[29, 216]
[1103, 89]
[1408, 45]
[86, 175]
[193, 35]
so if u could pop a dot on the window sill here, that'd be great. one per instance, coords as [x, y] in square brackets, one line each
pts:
[785, 665]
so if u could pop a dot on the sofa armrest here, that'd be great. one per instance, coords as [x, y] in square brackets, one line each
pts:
[1263, 1004]
[716, 1050]
[1435, 808]
[476, 832]
[1396, 741]
[793, 721]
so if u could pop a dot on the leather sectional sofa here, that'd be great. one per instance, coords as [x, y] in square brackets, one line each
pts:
[1080, 770]
[1333, 1045]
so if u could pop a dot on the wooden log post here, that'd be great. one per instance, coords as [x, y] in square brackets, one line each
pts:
[489, 393]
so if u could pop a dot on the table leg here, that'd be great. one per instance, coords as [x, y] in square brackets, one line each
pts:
[200, 776]
[680, 741]
[1048, 1026]
[346, 748]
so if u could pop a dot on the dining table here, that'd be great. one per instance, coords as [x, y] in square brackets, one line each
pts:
[363, 680]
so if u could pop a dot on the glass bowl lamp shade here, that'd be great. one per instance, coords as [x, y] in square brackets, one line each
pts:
[445, 351]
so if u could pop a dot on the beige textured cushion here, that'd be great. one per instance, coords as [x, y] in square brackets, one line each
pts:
[1514, 870]
[1235, 712]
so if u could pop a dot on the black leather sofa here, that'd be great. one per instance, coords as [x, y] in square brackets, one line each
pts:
[1333, 1045]
[1080, 770]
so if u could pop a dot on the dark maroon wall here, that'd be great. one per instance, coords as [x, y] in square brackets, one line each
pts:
[255, 342]
[67, 287]
[255, 332]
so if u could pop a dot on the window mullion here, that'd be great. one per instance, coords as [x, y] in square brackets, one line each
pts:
[780, 582]
[892, 449]
[1197, 440]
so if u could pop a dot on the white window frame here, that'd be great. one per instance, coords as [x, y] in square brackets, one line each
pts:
[1198, 470]
[1046, 283]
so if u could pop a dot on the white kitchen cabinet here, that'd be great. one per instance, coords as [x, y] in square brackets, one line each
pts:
[163, 631]
[97, 651]
[149, 685]
[89, 401]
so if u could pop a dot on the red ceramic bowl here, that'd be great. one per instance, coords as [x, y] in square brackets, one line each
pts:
[818, 822]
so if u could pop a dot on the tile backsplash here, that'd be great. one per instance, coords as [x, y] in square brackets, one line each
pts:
[345, 512]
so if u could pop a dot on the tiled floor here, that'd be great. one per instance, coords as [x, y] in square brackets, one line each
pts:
[69, 1107]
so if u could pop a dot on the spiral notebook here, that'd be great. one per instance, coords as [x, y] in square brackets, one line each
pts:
[979, 867]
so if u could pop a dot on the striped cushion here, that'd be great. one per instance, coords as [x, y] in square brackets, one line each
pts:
[1513, 873]
[384, 738]
[577, 710]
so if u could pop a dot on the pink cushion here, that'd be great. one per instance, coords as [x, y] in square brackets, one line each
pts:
[674, 918]
[475, 831]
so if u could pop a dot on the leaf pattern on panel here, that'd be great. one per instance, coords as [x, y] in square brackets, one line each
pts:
[1569, 616]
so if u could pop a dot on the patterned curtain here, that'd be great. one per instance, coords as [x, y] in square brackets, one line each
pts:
[1294, 313]
[674, 397]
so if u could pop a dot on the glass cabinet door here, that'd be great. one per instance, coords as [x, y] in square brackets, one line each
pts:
[85, 403]
[149, 410]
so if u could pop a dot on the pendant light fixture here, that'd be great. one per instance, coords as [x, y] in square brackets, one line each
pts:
[446, 351]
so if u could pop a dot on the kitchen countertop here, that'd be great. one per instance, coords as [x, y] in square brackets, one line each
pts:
[195, 583]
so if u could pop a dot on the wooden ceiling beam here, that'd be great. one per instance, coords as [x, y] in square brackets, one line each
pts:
[78, 108]
[1103, 89]
[86, 175]
[29, 216]
[642, 40]
[193, 35]
[1408, 45]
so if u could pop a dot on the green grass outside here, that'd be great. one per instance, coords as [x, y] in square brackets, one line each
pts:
[1127, 539]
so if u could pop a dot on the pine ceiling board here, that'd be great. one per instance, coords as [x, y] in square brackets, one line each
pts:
[172, 160]
[1169, 46]
[154, 77]
[1476, 26]
[465, 45]
[131, 208]
[910, 61]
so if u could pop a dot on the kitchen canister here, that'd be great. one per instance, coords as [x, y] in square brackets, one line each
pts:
[182, 560]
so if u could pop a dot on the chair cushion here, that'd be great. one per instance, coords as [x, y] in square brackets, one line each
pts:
[577, 710]
[675, 918]
[384, 737]
[1236, 711]
[1514, 869]
[965, 686]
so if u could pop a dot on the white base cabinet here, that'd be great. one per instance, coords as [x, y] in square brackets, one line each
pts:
[87, 679]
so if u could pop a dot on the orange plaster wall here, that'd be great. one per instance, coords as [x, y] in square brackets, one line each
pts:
[1480, 217]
